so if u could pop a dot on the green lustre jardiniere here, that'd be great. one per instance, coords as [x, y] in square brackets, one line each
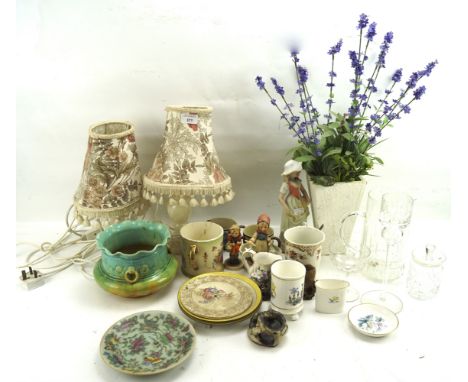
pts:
[134, 260]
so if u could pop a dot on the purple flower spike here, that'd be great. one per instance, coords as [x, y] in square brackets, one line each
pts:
[260, 83]
[388, 38]
[355, 64]
[335, 48]
[406, 109]
[303, 74]
[363, 21]
[413, 80]
[279, 89]
[428, 70]
[294, 53]
[371, 32]
[418, 93]
[397, 75]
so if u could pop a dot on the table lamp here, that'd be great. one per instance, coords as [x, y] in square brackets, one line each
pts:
[109, 191]
[111, 181]
[186, 172]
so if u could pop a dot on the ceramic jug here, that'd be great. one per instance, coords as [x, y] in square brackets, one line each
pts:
[258, 265]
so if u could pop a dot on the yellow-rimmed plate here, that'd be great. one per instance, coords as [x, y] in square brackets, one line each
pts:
[219, 298]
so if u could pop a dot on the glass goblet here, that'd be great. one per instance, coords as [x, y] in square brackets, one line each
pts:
[395, 215]
[349, 260]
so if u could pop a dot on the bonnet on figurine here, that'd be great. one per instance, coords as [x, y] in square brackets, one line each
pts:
[291, 166]
[263, 218]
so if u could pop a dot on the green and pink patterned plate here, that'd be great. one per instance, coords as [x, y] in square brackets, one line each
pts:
[148, 342]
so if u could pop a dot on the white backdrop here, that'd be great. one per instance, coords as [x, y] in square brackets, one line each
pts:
[82, 62]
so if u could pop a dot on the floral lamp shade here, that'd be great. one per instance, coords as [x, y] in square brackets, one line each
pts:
[186, 170]
[111, 181]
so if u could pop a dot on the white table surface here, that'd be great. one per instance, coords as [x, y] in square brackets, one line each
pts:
[59, 326]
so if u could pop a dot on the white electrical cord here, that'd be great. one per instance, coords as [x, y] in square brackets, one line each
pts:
[50, 252]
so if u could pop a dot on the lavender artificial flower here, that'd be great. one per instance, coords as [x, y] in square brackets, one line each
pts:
[388, 38]
[397, 75]
[303, 74]
[335, 48]
[363, 21]
[279, 89]
[371, 31]
[428, 70]
[364, 121]
[418, 93]
[260, 83]
[413, 80]
[406, 109]
[355, 64]
[294, 53]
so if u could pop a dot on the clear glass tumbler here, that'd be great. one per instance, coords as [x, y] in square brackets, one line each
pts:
[425, 272]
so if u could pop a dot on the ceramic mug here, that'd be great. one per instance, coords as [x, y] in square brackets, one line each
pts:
[330, 295]
[287, 287]
[202, 248]
[304, 244]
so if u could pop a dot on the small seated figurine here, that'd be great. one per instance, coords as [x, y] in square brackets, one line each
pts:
[260, 238]
[234, 241]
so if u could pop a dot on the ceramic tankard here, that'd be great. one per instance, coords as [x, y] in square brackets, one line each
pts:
[304, 244]
[202, 248]
[287, 287]
[134, 259]
[258, 265]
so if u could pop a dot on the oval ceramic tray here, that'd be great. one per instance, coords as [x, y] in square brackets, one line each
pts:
[373, 320]
[148, 342]
[219, 298]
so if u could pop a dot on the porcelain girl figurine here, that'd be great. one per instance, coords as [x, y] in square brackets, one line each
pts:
[293, 197]
[260, 238]
[234, 241]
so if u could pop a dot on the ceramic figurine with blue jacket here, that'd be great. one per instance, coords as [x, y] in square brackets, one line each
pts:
[260, 239]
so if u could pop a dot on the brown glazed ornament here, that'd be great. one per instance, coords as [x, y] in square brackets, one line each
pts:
[266, 328]
[309, 289]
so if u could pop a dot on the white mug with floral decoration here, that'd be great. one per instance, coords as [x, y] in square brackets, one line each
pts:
[330, 295]
[202, 248]
[304, 244]
[287, 287]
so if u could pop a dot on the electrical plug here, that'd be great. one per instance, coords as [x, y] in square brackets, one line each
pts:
[31, 279]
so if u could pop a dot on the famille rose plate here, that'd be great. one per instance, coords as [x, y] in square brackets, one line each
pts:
[147, 343]
[219, 297]
[373, 320]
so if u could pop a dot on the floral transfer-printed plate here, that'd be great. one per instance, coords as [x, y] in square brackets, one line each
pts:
[147, 343]
[373, 320]
[216, 295]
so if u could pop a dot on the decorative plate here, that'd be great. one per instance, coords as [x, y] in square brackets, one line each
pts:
[147, 343]
[214, 295]
[190, 308]
[373, 320]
